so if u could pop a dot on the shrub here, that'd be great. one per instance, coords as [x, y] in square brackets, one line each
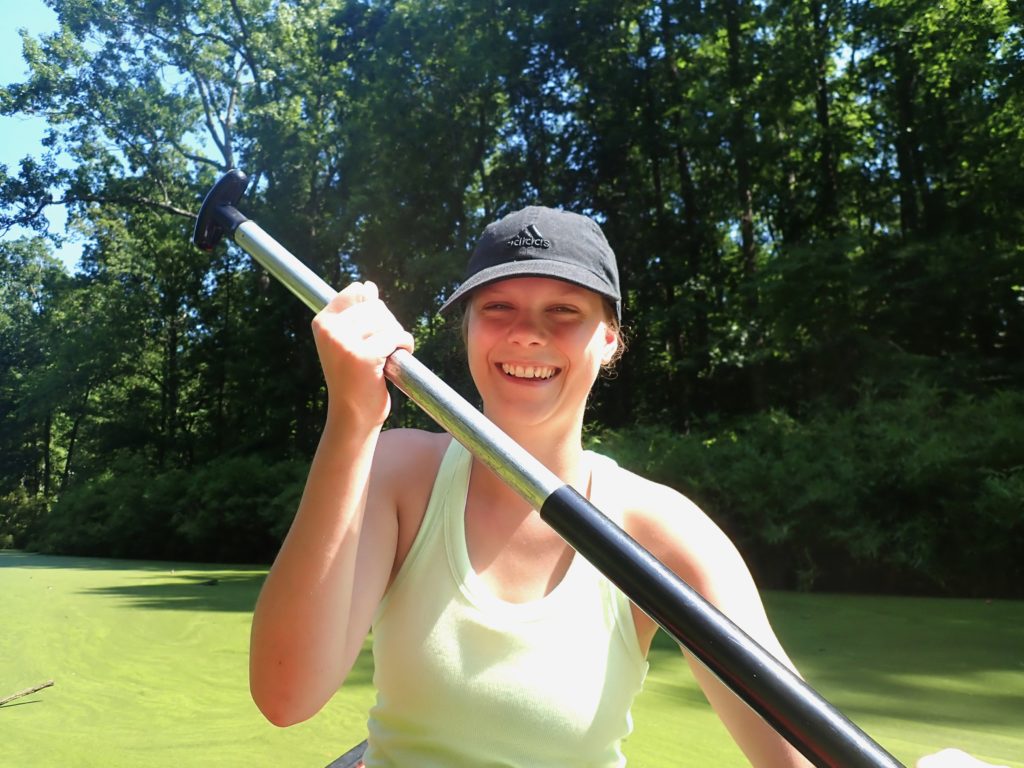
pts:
[124, 512]
[233, 510]
[20, 516]
[239, 509]
[923, 492]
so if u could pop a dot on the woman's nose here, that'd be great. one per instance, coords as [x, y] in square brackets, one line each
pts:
[527, 329]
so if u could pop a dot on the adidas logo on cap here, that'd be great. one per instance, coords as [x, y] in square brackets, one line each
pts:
[530, 237]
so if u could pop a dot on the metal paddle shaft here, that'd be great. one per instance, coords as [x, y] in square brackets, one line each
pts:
[822, 733]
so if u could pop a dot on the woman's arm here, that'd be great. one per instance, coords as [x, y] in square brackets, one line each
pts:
[315, 608]
[679, 534]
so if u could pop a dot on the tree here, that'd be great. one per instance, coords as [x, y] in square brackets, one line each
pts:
[809, 200]
[29, 279]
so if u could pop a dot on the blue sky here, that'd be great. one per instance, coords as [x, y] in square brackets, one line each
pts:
[21, 136]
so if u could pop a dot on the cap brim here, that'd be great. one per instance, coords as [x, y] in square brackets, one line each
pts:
[558, 270]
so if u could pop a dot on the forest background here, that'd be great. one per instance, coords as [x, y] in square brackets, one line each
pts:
[815, 205]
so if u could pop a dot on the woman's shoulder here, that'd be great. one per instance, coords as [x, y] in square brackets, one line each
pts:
[406, 461]
[408, 457]
[643, 498]
[671, 526]
[405, 467]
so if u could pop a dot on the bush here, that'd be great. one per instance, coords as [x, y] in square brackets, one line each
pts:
[918, 492]
[239, 509]
[233, 510]
[117, 514]
[20, 515]
[922, 493]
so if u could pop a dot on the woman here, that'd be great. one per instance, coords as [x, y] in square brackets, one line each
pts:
[493, 643]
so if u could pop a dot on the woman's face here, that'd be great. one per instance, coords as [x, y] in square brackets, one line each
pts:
[535, 347]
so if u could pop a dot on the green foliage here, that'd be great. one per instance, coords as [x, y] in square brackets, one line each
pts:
[239, 509]
[235, 510]
[21, 515]
[915, 493]
[811, 202]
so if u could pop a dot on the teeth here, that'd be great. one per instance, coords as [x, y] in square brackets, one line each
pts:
[528, 371]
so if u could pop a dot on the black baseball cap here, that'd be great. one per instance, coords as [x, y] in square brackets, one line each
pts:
[543, 242]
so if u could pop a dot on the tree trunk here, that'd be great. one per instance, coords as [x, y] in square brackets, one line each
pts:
[481, 155]
[73, 439]
[169, 388]
[220, 412]
[906, 140]
[828, 207]
[738, 139]
[47, 462]
[699, 250]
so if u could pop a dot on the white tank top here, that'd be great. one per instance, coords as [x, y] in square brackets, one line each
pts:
[464, 678]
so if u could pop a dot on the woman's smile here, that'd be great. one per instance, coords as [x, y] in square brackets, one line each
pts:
[529, 371]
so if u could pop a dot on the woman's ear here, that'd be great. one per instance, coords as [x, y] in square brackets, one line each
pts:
[611, 344]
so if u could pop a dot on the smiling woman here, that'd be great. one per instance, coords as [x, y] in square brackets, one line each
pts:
[493, 641]
[371, 516]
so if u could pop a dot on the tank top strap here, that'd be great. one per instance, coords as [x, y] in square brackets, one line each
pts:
[604, 495]
[602, 485]
[452, 473]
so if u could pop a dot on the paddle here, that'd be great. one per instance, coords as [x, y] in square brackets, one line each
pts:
[794, 709]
